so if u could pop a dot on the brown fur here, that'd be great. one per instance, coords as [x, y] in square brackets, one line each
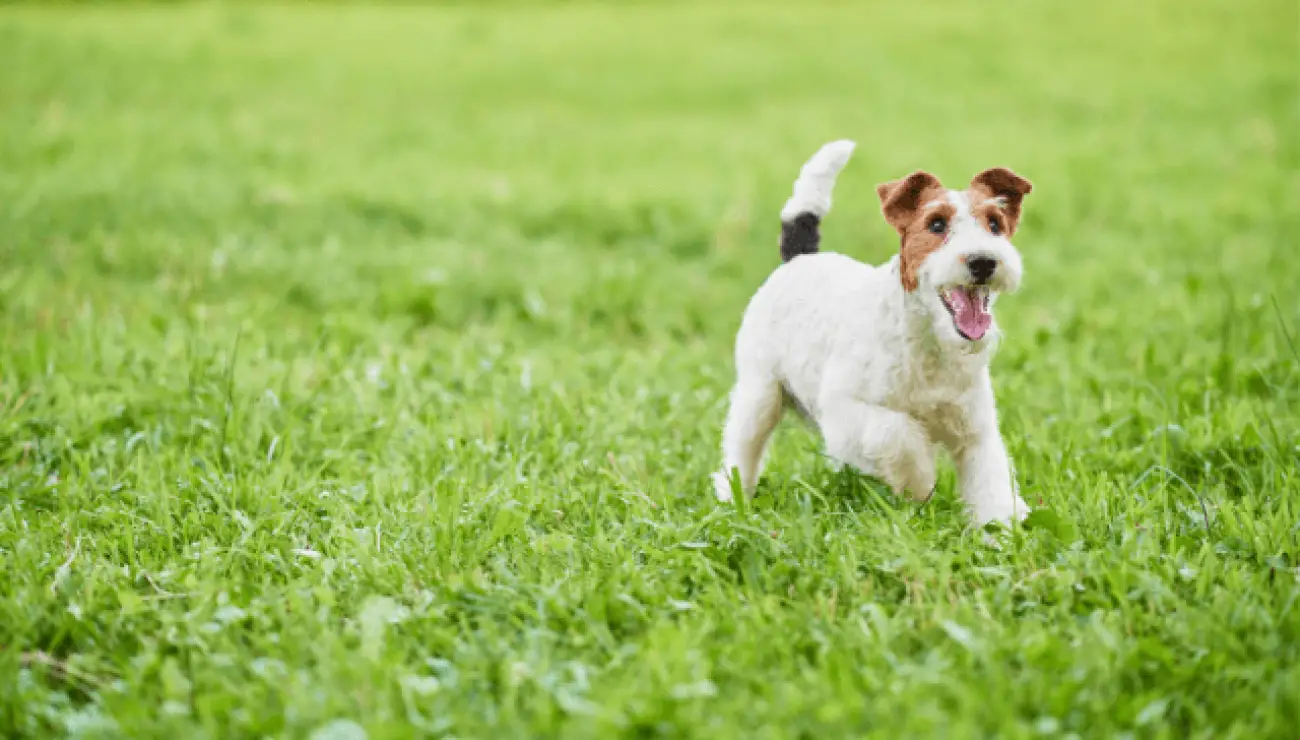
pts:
[991, 210]
[999, 182]
[901, 201]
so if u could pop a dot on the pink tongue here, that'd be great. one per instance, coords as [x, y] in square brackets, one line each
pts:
[969, 313]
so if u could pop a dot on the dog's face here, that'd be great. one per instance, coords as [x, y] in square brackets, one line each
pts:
[956, 254]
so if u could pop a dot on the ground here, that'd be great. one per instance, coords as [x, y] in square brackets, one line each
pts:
[362, 369]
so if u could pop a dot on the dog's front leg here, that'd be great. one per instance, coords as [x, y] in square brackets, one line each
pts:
[881, 442]
[984, 470]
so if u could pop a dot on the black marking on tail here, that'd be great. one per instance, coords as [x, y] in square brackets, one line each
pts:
[800, 235]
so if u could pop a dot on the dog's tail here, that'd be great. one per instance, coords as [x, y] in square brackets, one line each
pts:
[802, 216]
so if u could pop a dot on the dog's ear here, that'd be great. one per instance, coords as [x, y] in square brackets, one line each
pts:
[899, 199]
[1005, 186]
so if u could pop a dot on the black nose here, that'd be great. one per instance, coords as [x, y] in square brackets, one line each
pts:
[981, 268]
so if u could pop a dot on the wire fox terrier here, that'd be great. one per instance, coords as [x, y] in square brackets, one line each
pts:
[885, 361]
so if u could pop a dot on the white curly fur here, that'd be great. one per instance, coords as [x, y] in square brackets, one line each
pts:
[882, 372]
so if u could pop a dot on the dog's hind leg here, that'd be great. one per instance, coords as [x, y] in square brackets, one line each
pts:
[756, 406]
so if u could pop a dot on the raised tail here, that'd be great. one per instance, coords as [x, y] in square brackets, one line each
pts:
[802, 215]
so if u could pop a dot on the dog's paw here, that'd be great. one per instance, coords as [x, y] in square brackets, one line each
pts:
[914, 477]
[1012, 512]
[922, 481]
[722, 487]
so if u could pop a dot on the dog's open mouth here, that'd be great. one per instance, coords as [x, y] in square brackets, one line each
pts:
[969, 307]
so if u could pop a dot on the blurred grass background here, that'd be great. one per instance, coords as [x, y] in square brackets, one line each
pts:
[364, 363]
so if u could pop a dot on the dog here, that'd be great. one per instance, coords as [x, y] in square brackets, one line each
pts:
[887, 362]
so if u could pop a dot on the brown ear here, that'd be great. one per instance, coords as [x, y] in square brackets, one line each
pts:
[1000, 182]
[899, 199]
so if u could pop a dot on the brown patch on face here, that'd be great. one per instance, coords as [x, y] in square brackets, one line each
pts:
[999, 191]
[992, 215]
[906, 206]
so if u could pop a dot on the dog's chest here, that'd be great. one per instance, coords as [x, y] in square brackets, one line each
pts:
[936, 396]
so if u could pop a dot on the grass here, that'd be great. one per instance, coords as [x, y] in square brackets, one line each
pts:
[362, 368]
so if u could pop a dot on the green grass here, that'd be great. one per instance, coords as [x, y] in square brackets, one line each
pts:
[366, 364]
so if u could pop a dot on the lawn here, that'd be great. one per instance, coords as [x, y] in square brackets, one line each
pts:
[363, 367]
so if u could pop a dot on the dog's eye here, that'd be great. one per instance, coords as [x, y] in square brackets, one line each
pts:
[994, 226]
[938, 225]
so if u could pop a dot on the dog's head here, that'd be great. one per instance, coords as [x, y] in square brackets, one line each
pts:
[956, 254]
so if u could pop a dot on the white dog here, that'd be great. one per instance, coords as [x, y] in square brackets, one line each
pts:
[886, 361]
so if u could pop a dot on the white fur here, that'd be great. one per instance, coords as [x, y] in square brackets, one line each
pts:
[882, 372]
[812, 191]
